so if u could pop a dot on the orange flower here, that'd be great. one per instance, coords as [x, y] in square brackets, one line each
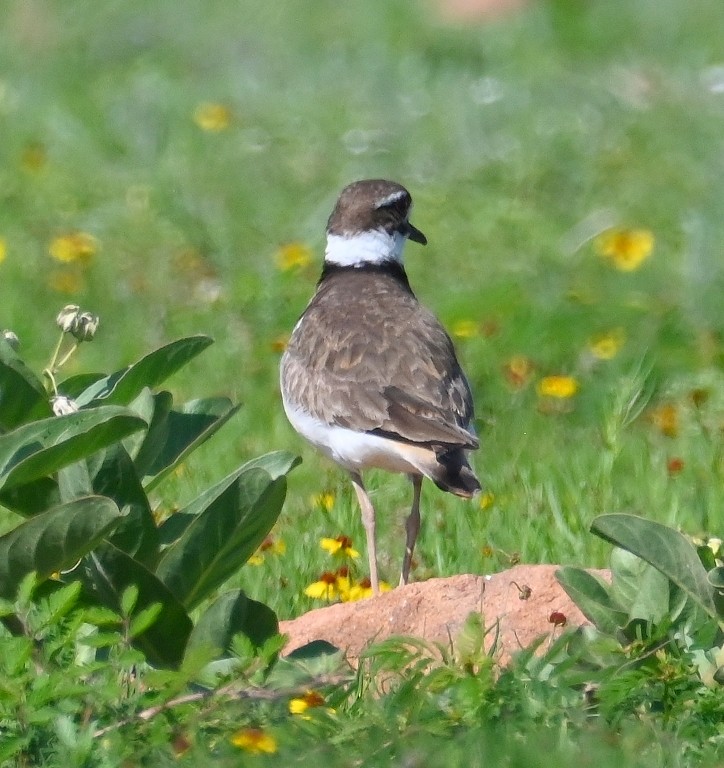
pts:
[518, 370]
[674, 465]
[325, 588]
[558, 386]
[626, 249]
[665, 418]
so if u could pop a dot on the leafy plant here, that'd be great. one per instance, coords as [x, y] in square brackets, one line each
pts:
[665, 592]
[78, 460]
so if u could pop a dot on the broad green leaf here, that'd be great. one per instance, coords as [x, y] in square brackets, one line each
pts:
[74, 481]
[55, 540]
[592, 596]
[144, 454]
[222, 537]
[22, 395]
[186, 430]
[31, 498]
[276, 464]
[108, 572]
[664, 548]
[116, 478]
[638, 587]
[123, 385]
[74, 385]
[42, 447]
[232, 613]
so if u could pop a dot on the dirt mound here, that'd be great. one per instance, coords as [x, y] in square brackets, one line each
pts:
[526, 601]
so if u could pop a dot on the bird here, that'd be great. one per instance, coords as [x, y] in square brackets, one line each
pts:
[369, 376]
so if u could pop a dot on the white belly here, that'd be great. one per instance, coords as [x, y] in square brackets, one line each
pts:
[357, 450]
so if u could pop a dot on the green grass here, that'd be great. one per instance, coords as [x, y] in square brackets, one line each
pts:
[519, 139]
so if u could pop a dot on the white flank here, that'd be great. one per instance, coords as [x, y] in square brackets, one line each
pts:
[356, 450]
[373, 247]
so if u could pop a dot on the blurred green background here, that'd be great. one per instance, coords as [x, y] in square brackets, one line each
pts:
[171, 166]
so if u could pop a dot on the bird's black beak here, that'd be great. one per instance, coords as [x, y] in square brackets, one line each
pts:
[413, 233]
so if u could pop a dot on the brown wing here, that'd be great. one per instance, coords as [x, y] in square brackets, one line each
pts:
[389, 368]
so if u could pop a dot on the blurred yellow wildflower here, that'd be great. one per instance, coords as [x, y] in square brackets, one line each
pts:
[255, 740]
[74, 247]
[3, 249]
[310, 700]
[557, 386]
[665, 418]
[627, 249]
[362, 591]
[212, 117]
[66, 281]
[271, 546]
[605, 346]
[325, 588]
[293, 256]
[324, 500]
[341, 546]
[486, 500]
[466, 329]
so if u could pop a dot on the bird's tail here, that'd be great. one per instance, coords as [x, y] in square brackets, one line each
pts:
[452, 473]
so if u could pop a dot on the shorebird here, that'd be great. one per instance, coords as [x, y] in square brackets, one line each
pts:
[370, 377]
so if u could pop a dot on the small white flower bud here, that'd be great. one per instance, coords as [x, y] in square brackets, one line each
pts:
[67, 317]
[12, 339]
[85, 326]
[63, 405]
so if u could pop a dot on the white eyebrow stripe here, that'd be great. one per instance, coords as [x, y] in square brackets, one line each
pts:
[393, 197]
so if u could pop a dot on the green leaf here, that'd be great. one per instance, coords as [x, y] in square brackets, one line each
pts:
[222, 537]
[55, 540]
[109, 572]
[664, 548]
[232, 613]
[42, 447]
[186, 430]
[22, 395]
[638, 587]
[74, 481]
[116, 478]
[592, 596]
[276, 464]
[31, 498]
[123, 385]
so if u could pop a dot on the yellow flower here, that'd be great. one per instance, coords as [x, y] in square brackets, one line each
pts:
[256, 559]
[293, 256]
[363, 590]
[3, 249]
[466, 329]
[666, 418]
[324, 500]
[255, 741]
[324, 589]
[627, 249]
[605, 346]
[75, 247]
[310, 700]
[341, 546]
[66, 281]
[486, 500]
[212, 117]
[557, 386]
